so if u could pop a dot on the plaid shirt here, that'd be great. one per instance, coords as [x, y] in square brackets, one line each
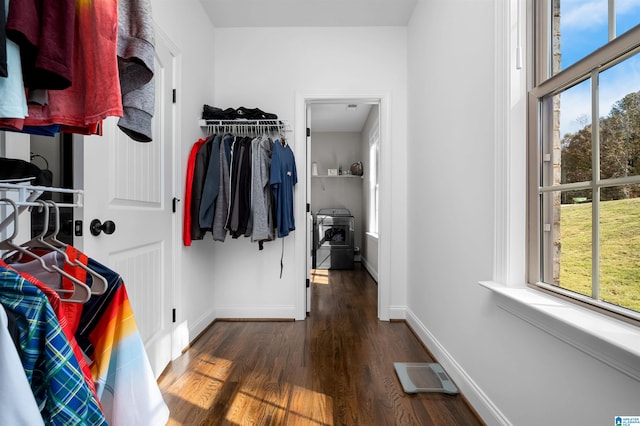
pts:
[49, 362]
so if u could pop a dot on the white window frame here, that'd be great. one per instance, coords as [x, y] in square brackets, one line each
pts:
[374, 185]
[609, 340]
[544, 86]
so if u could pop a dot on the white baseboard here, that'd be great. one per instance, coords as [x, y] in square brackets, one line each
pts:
[369, 268]
[485, 408]
[201, 324]
[248, 312]
[398, 312]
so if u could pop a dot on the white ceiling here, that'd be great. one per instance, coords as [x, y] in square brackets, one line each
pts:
[314, 13]
[338, 118]
[308, 13]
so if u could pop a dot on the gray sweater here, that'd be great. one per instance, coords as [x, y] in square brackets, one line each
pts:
[135, 68]
[261, 205]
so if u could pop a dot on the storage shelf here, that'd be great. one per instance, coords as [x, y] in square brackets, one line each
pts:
[338, 176]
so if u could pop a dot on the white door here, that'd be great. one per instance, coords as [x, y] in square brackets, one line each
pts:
[132, 184]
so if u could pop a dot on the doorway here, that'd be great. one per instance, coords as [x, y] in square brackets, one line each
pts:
[345, 132]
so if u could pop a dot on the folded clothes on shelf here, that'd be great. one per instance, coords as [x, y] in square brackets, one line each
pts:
[215, 113]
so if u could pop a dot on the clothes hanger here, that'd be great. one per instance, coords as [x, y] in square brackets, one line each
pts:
[100, 283]
[81, 292]
[8, 243]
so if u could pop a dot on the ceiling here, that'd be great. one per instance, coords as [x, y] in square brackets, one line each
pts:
[326, 117]
[308, 13]
[338, 117]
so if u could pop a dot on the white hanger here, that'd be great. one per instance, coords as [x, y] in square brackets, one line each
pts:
[100, 283]
[81, 292]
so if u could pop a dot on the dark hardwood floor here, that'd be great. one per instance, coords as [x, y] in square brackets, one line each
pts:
[334, 368]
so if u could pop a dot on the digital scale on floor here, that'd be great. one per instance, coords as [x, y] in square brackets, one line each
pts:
[418, 377]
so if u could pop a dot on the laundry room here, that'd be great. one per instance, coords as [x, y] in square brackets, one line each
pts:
[344, 156]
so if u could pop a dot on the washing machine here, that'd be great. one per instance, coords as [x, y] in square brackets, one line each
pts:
[334, 239]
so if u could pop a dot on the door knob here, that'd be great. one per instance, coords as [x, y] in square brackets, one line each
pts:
[97, 227]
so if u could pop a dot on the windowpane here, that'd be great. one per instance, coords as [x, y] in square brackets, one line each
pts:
[566, 236]
[574, 149]
[620, 120]
[620, 249]
[627, 15]
[579, 28]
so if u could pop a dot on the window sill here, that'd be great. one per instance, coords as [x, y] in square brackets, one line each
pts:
[613, 342]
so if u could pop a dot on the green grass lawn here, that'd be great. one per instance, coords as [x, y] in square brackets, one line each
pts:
[619, 251]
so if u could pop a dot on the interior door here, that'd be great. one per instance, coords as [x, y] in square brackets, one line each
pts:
[131, 184]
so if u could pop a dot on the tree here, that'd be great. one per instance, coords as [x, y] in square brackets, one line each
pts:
[619, 149]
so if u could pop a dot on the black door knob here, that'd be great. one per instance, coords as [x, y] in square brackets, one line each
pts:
[97, 227]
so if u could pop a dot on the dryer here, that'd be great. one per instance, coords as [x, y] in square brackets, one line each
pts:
[334, 239]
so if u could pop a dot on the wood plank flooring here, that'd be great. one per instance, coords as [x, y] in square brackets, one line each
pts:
[334, 368]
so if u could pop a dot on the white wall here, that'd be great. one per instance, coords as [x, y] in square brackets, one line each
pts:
[269, 74]
[193, 37]
[511, 371]
[329, 149]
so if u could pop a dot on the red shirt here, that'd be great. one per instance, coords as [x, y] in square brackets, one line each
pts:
[95, 90]
[44, 31]
[186, 229]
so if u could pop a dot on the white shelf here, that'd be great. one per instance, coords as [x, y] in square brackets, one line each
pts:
[338, 176]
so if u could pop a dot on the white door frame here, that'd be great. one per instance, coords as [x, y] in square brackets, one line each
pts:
[384, 256]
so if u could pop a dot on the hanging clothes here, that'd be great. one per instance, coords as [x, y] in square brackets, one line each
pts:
[17, 402]
[211, 186]
[106, 335]
[13, 101]
[218, 230]
[109, 336]
[188, 192]
[50, 365]
[94, 93]
[240, 205]
[136, 68]
[3, 41]
[261, 194]
[43, 32]
[46, 282]
[283, 177]
[84, 362]
[199, 175]
[242, 194]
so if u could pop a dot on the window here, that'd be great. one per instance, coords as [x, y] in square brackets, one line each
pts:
[374, 187]
[584, 153]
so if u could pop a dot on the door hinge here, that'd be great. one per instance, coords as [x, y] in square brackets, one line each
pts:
[308, 207]
[308, 132]
[308, 283]
[77, 228]
[174, 204]
[174, 96]
[173, 314]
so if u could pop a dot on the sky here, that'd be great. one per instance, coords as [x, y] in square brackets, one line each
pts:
[584, 29]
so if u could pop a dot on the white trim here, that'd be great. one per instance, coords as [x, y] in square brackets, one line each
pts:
[369, 268]
[481, 402]
[257, 312]
[510, 151]
[610, 341]
[398, 312]
[372, 234]
[384, 219]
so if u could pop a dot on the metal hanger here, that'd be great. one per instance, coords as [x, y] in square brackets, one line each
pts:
[81, 292]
